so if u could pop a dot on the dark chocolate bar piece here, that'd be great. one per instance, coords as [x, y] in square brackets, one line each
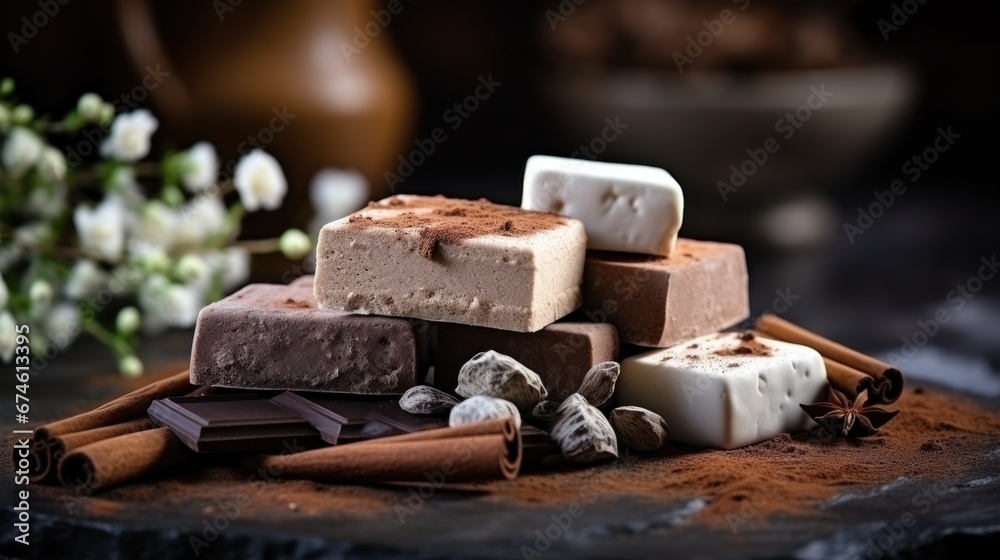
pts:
[535, 444]
[341, 419]
[236, 422]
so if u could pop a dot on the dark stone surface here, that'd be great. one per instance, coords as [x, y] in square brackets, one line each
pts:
[904, 518]
[964, 518]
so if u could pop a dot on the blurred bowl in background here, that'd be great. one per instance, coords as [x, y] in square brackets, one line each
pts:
[706, 128]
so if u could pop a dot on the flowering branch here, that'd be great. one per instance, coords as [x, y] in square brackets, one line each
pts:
[123, 243]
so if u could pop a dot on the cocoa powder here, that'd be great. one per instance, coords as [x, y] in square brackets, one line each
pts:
[443, 220]
[938, 437]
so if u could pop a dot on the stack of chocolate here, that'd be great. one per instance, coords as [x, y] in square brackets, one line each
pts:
[434, 326]
[590, 264]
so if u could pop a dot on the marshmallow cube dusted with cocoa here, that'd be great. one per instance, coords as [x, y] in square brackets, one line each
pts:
[725, 390]
[629, 208]
[270, 336]
[702, 288]
[459, 261]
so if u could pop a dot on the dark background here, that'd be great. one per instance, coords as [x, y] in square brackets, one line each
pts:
[446, 44]
[871, 292]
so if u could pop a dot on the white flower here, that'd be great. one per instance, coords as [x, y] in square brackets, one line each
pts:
[4, 294]
[123, 185]
[102, 229]
[129, 137]
[21, 151]
[199, 220]
[148, 256]
[168, 304]
[334, 194]
[201, 166]
[260, 181]
[46, 201]
[90, 106]
[155, 224]
[85, 279]
[232, 265]
[8, 336]
[33, 234]
[52, 165]
[62, 325]
[192, 268]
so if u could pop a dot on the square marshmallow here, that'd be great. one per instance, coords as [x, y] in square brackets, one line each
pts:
[725, 390]
[628, 208]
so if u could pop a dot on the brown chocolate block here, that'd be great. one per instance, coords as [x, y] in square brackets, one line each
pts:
[269, 336]
[561, 353]
[701, 288]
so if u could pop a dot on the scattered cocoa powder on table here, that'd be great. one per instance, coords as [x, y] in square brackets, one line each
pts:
[938, 437]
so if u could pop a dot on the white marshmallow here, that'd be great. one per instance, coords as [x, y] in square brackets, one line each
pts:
[712, 396]
[629, 208]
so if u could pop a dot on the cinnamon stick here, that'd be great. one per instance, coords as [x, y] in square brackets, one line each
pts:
[483, 451]
[59, 446]
[887, 380]
[46, 440]
[110, 462]
[851, 382]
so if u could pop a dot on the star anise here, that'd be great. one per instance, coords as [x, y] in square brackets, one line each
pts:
[840, 416]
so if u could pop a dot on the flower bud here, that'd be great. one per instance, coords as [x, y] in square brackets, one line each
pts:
[294, 244]
[130, 366]
[128, 320]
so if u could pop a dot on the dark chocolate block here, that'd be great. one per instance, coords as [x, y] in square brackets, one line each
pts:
[269, 336]
[217, 423]
[561, 353]
[535, 444]
[348, 419]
